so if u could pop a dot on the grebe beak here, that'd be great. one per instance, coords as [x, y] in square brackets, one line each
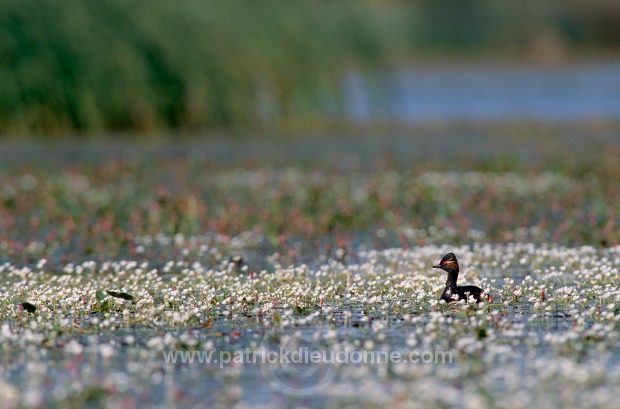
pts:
[437, 266]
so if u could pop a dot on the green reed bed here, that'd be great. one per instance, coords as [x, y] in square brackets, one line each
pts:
[100, 66]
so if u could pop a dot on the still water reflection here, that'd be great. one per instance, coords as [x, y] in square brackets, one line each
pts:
[556, 94]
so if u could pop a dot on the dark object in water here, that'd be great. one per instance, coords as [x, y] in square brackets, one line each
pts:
[31, 308]
[452, 292]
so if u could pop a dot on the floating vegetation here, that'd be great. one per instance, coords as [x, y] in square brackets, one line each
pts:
[552, 304]
[178, 288]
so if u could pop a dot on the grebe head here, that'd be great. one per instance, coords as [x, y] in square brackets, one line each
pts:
[448, 263]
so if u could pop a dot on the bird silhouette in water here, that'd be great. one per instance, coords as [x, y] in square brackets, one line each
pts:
[453, 292]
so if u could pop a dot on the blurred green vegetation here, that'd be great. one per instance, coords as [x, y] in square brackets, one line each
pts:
[99, 66]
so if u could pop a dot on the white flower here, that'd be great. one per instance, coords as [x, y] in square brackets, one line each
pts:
[106, 350]
[73, 347]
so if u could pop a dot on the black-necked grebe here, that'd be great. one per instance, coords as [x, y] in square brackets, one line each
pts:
[452, 292]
